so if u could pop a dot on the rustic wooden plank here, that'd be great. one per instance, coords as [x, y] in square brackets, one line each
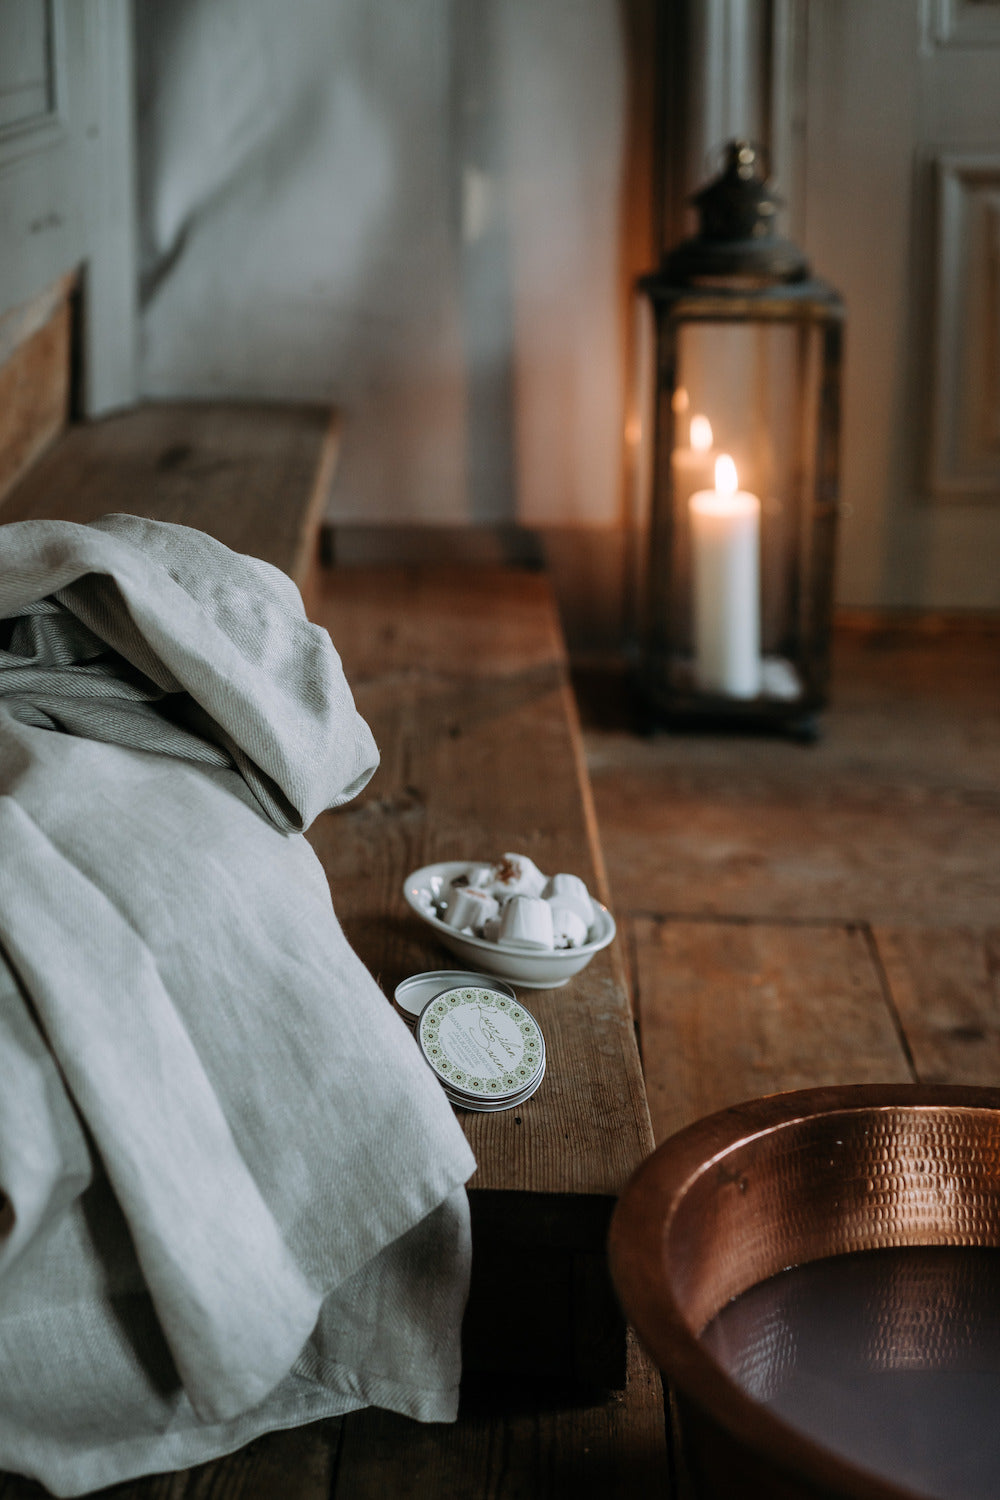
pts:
[945, 985]
[514, 1445]
[439, 621]
[299, 1462]
[462, 675]
[155, 1487]
[254, 476]
[894, 817]
[585, 1129]
[464, 683]
[716, 838]
[732, 1010]
[35, 394]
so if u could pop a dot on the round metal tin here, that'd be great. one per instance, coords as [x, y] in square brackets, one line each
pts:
[411, 995]
[486, 1106]
[484, 1046]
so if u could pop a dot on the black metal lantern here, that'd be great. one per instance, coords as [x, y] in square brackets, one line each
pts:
[739, 556]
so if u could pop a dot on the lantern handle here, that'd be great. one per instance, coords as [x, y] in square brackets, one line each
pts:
[748, 151]
[738, 204]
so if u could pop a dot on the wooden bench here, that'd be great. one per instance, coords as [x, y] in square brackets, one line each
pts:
[462, 674]
[256, 477]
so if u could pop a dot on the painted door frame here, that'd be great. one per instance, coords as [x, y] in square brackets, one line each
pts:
[68, 192]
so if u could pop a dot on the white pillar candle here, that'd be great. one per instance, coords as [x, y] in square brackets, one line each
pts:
[725, 583]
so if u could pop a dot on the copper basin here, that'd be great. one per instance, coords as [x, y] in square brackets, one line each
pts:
[779, 1182]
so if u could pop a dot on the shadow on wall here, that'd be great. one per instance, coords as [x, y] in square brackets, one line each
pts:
[418, 222]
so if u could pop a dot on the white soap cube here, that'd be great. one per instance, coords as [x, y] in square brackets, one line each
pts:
[568, 927]
[516, 875]
[526, 922]
[571, 890]
[469, 906]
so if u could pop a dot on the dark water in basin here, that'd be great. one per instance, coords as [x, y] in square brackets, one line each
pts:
[890, 1357]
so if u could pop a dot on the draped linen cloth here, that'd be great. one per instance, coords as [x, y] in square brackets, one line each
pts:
[231, 1191]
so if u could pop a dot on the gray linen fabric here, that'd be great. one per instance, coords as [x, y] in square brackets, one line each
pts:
[231, 1192]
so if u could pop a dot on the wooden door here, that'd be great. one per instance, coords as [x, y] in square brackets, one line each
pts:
[67, 202]
[901, 177]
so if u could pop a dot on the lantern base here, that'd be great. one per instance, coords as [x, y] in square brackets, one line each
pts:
[669, 697]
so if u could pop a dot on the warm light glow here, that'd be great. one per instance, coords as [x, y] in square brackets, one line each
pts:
[726, 481]
[633, 430]
[701, 434]
[680, 401]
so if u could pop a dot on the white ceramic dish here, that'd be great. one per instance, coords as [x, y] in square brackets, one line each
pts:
[535, 970]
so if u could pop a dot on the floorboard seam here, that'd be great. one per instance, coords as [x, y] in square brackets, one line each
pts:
[754, 919]
[886, 987]
[632, 944]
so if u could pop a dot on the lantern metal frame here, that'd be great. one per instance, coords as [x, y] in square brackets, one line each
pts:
[735, 274]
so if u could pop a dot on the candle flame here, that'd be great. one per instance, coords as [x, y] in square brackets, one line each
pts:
[680, 400]
[701, 434]
[726, 480]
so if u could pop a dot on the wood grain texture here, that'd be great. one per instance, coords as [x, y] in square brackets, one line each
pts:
[945, 985]
[462, 675]
[444, 622]
[463, 680]
[298, 1464]
[732, 1010]
[893, 818]
[525, 1445]
[888, 828]
[34, 395]
[252, 476]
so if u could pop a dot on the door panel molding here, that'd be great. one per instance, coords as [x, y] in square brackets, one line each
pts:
[106, 154]
[965, 413]
[965, 23]
[33, 108]
[67, 177]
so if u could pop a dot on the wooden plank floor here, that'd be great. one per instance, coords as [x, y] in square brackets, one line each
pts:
[797, 915]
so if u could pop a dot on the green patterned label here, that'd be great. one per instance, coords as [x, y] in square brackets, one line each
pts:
[480, 1041]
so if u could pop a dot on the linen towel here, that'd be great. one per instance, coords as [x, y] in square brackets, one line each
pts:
[231, 1192]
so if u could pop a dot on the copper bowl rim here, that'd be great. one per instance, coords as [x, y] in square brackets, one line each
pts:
[639, 1228]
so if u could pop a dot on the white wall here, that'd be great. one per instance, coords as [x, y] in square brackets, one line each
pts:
[409, 208]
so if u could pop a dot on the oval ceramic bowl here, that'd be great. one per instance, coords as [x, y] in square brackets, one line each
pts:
[779, 1182]
[533, 968]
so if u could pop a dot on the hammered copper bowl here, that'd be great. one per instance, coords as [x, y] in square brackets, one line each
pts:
[779, 1182]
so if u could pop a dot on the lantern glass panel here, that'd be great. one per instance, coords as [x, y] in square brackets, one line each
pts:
[755, 386]
[764, 385]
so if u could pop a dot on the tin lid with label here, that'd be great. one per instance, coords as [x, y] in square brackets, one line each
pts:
[482, 1044]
